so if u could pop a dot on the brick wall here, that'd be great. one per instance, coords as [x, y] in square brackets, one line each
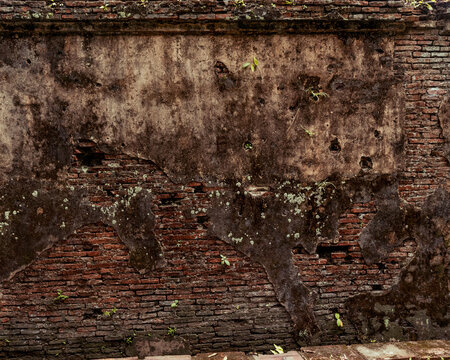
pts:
[208, 10]
[422, 57]
[219, 307]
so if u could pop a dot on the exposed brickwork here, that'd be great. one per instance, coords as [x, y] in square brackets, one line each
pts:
[209, 10]
[337, 271]
[423, 59]
[219, 306]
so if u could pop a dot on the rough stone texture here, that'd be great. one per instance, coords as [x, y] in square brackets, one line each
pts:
[139, 157]
[128, 94]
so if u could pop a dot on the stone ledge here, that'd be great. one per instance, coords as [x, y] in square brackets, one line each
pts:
[155, 27]
[410, 350]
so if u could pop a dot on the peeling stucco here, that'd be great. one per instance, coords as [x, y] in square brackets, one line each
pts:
[36, 215]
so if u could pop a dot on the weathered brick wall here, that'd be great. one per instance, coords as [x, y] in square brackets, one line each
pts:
[220, 307]
[209, 10]
[422, 57]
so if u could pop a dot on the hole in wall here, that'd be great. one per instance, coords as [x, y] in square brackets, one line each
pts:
[376, 287]
[326, 251]
[92, 313]
[366, 163]
[109, 193]
[28, 61]
[221, 69]
[199, 189]
[202, 219]
[381, 267]
[248, 146]
[171, 199]
[335, 146]
[377, 134]
[379, 51]
[88, 154]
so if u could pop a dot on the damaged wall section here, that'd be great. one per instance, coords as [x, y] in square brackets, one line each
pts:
[134, 169]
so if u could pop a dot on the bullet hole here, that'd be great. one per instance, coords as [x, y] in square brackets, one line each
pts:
[331, 68]
[64, 106]
[221, 69]
[224, 77]
[28, 61]
[381, 267]
[123, 144]
[366, 163]
[248, 146]
[377, 134]
[335, 146]
[262, 101]
[386, 60]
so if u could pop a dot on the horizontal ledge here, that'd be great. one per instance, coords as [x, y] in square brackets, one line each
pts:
[213, 27]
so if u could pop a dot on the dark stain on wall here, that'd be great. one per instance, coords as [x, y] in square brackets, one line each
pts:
[36, 215]
[417, 307]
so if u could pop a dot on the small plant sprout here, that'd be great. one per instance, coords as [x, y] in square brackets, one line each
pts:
[420, 3]
[60, 296]
[321, 185]
[289, 2]
[171, 331]
[278, 350]
[224, 260]
[253, 65]
[129, 340]
[104, 7]
[174, 304]
[310, 133]
[239, 3]
[54, 3]
[316, 94]
[248, 145]
[107, 313]
[339, 322]
[144, 3]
